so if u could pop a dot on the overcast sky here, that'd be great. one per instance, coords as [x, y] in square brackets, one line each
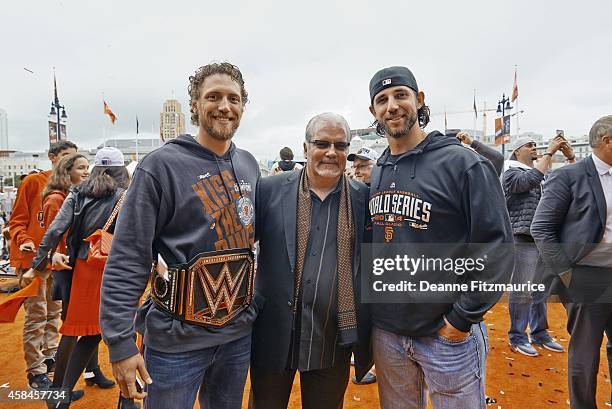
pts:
[299, 59]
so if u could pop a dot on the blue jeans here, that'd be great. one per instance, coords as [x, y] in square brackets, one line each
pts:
[452, 371]
[534, 314]
[218, 372]
[526, 308]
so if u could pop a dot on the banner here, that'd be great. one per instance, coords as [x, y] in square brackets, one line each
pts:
[53, 132]
[502, 130]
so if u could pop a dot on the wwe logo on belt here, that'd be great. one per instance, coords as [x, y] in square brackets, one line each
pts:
[224, 288]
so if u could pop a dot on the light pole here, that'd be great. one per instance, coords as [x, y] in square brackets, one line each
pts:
[55, 110]
[502, 106]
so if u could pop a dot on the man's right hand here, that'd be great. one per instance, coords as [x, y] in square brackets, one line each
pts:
[125, 373]
[555, 144]
[27, 246]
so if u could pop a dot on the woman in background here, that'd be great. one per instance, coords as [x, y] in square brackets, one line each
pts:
[69, 172]
[86, 209]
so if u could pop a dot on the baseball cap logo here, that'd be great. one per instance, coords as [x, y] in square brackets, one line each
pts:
[386, 82]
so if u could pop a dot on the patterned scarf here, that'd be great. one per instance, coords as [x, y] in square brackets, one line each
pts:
[347, 321]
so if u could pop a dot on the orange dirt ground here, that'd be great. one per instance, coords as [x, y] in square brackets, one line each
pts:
[516, 381]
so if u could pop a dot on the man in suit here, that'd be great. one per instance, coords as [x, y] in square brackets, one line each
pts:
[310, 226]
[572, 228]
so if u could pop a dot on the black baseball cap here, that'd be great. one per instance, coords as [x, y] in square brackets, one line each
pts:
[392, 77]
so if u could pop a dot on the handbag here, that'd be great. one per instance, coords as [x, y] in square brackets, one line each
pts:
[101, 240]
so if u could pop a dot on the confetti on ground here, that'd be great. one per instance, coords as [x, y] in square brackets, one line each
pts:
[511, 359]
[357, 398]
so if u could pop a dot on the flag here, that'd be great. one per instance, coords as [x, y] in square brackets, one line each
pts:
[475, 110]
[9, 307]
[136, 124]
[515, 87]
[110, 113]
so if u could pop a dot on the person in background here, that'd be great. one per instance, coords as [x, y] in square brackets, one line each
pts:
[86, 209]
[572, 228]
[70, 171]
[286, 163]
[363, 162]
[494, 156]
[42, 315]
[522, 182]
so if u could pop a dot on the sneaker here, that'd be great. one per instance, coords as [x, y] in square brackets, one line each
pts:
[39, 382]
[525, 349]
[366, 380]
[50, 362]
[551, 345]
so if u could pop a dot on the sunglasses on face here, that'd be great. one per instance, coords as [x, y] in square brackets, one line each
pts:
[339, 146]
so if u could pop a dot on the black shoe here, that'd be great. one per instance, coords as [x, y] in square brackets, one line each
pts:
[50, 363]
[76, 395]
[99, 379]
[366, 380]
[126, 403]
[39, 382]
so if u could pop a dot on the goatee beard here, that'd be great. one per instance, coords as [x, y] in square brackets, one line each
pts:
[220, 136]
[402, 132]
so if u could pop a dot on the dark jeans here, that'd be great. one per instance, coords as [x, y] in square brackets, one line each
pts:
[321, 389]
[219, 373]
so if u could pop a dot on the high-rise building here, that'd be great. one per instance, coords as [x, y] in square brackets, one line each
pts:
[3, 130]
[172, 120]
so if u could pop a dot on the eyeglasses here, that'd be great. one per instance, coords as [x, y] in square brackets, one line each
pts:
[339, 146]
[359, 167]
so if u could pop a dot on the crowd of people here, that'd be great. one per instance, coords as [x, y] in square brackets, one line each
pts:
[268, 275]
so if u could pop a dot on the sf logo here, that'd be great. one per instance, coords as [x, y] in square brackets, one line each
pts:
[388, 234]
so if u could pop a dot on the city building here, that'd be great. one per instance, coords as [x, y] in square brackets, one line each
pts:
[172, 120]
[15, 164]
[133, 149]
[3, 130]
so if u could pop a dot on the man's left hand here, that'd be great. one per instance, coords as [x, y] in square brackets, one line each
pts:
[452, 333]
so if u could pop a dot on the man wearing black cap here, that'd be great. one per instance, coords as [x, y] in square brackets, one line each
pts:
[428, 189]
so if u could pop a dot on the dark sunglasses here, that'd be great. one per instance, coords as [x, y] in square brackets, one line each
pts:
[339, 146]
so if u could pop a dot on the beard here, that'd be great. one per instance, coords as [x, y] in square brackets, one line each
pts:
[403, 131]
[223, 134]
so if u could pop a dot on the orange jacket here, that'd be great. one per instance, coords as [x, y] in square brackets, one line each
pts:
[26, 222]
[51, 206]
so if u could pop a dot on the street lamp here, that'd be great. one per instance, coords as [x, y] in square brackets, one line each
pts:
[502, 106]
[55, 111]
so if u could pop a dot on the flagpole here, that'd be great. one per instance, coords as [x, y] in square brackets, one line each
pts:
[484, 122]
[474, 126]
[518, 111]
[137, 158]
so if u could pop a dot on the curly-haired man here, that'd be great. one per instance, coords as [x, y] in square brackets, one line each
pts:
[192, 203]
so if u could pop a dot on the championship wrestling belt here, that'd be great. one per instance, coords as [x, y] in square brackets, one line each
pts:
[210, 290]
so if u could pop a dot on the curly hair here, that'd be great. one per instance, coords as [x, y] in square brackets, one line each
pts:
[60, 177]
[196, 81]
[422, 114]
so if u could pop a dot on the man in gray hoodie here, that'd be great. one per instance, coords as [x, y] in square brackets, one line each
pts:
[192, 203]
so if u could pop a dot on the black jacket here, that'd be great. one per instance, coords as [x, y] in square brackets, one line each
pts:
[276, 230]
[441, 193]
[571, 216]
[83, 216]
[522, 188]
